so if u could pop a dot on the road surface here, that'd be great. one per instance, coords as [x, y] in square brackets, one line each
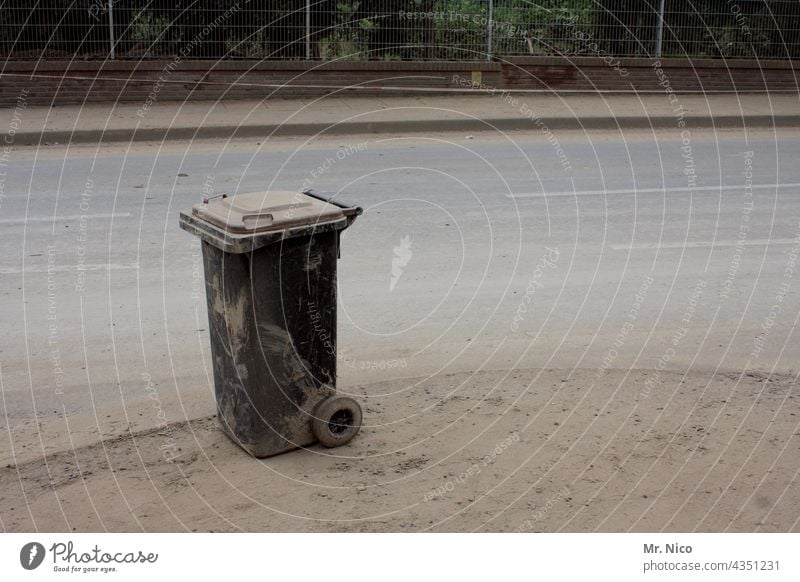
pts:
[603, 254]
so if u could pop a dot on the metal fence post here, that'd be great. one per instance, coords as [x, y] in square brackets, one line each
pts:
[660, 30]
[111, 28]
[489, 31]
[308, 30]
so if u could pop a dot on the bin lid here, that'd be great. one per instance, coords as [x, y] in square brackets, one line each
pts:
[265, 211]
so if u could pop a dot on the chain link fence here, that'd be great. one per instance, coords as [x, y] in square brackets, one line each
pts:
[397, 29]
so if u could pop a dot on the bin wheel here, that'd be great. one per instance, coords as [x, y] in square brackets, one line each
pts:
[336, 421]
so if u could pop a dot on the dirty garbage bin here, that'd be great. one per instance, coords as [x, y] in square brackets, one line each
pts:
[270, 274]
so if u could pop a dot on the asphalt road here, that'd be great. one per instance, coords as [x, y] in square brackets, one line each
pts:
[636, 251]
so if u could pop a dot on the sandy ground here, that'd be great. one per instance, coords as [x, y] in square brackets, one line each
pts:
[525, 450]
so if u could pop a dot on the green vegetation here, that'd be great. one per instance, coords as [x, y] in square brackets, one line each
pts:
[399, 29]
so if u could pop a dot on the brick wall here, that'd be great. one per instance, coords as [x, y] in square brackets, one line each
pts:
[640, 74]
[56, 82]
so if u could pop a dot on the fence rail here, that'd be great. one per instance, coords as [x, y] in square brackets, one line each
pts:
[397, 29]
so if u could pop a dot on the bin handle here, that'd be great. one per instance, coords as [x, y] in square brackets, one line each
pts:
[207, 199]
[350, 209]
[256, 217]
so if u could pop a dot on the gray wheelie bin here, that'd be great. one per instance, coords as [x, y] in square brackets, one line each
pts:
[270, 274]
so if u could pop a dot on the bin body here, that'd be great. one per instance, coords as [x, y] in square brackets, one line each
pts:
[272, 323]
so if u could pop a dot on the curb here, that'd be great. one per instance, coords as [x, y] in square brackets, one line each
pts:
[127, 135]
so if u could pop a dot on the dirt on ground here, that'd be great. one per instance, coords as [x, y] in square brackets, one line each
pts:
[519, 450]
